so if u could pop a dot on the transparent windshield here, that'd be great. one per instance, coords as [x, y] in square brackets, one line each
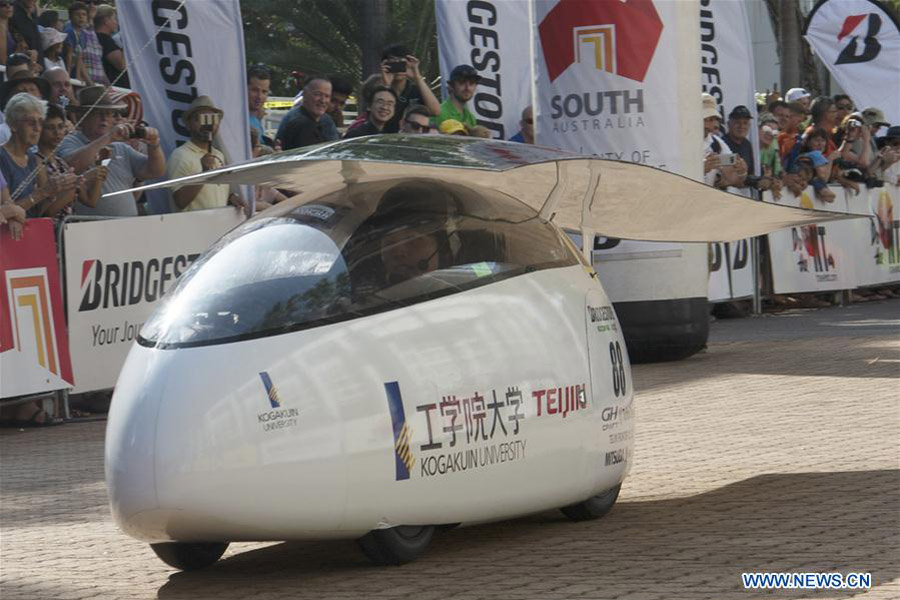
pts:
[356, 252]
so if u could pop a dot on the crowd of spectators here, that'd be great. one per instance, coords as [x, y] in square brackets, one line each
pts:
[804, 141]
[824, 143]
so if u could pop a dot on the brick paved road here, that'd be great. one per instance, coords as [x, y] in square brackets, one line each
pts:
[776, 450]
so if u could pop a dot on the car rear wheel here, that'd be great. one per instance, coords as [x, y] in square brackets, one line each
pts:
[188, 556]
[397, 545]
[594, 507]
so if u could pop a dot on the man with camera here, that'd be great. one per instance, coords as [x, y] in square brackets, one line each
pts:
[82, 150]
[198, 155]
[400, 72]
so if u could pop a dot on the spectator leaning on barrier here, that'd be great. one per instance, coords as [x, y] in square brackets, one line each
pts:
[106, 24]
[526, 131]
[874, 119]
[889, 152]
[308, 123]
[461, 87]
[716, 151]
[197, 156]
[81, 150]
[855, 151]
[259, 79]
[822, 114]
[89, 185]
[340, 91]
[382, 106]
[30, 187]
[739, 123]
[416, 119]
[400, 72]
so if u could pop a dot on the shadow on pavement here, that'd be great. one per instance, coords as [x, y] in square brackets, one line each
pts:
[865, 358]
[689, 547]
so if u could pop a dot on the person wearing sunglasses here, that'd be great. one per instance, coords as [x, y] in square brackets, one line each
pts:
[844, 106]
[416, 119]
[526, 133]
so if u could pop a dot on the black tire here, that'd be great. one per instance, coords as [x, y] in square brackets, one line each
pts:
[594, 507]
[187, 556]
[397, 545]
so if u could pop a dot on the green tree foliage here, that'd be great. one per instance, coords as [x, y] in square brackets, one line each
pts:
[327, 36]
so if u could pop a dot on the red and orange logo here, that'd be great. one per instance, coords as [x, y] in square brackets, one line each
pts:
[615, 36]
[31, 316]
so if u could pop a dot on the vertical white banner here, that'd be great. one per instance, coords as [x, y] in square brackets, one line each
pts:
[621, 80]
[490, 35]
[859, 43]
[727, 74]
[199, 52]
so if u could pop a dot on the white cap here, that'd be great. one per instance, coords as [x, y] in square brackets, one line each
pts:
[795, 94]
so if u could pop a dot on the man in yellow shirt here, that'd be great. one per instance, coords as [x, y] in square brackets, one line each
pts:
[198, 155]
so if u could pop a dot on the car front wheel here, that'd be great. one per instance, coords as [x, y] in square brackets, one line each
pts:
[189, 556]
[594, 507]
[397, 545]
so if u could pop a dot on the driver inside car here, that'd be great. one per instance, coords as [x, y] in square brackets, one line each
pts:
[406, 254]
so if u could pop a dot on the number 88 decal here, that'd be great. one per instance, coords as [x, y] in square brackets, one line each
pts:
[618, 368]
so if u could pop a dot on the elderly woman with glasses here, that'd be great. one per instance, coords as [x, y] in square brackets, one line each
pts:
[29, 185]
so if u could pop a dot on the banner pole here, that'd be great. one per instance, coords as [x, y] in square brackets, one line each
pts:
[757, 292]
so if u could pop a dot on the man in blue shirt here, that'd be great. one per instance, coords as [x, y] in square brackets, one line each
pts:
[526, 133]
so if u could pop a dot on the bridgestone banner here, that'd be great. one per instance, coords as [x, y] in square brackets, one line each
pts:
[113, 283]
[621, 80]
[492, 36]
[199, 52]
[859, 43]
[34, 349]
[726, 73]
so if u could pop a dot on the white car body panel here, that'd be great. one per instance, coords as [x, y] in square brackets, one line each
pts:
[326, 465]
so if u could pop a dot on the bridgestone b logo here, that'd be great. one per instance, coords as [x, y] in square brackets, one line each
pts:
[854, 52]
